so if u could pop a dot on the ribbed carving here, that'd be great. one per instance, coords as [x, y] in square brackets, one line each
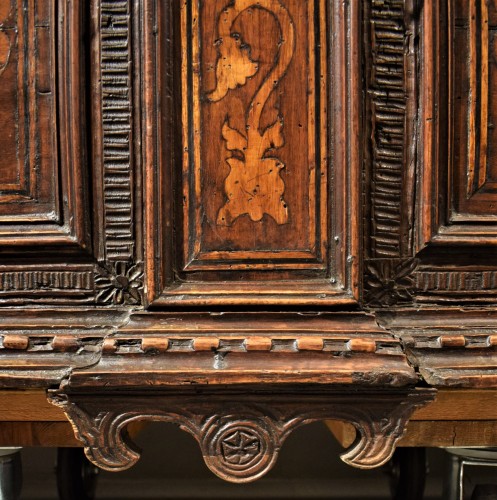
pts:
[116, 116]
[49, 280]
[388, 102]
[456, 281]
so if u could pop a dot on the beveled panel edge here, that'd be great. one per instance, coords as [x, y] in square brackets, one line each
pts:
[160, 268]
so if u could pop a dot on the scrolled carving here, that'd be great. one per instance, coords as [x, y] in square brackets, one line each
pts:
[240, 440]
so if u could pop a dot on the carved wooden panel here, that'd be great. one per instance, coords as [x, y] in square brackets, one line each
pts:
[475, 169]
[433, 212]
[457, 200]
[258, 192]
[68, 231]
[41, 190]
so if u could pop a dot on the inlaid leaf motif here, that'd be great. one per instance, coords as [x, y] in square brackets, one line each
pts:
[254, 185]
[234, 140]
[273, 136]
[233, 68]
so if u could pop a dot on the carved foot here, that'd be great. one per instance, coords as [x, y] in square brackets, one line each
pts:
[240, 433]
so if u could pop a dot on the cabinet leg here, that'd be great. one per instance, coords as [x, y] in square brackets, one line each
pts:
[10, 473]
[407, 471]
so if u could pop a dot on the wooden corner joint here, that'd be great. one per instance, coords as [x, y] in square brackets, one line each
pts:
[240, 436]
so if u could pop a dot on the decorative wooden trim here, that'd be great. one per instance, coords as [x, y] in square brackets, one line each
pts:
[36, 280]
[449, 347]
[116, 115]
[50, 343]
[327, 271]
[154, 344]
[120, 283]
[392, 100]
[240, 436]
[119, 275]
[389, 282]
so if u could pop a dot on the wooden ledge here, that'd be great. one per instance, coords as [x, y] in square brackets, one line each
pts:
[457, 417]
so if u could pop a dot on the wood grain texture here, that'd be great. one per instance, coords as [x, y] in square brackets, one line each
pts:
[47, 434]
[457, 204]
[451, 348]
[29, 188]
[448, 433]
[430, 433]
[286, 204]
[245, 110]
[474, 27]
[463, 405]
[240, 438]
[168, 349]
[43, 176]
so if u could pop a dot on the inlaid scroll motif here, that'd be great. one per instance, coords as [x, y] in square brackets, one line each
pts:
[254, 185]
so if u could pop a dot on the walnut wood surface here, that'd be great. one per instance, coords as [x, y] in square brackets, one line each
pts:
[254, 216]
[240, 432]
[236, 192]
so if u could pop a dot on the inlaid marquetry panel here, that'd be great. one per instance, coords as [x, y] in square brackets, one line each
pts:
[258, 188]
[255, 169]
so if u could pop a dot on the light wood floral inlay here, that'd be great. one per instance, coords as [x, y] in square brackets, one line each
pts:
[254, 185]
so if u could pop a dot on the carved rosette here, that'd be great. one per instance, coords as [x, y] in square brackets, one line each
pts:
[389, 282]
[120, 283]
[244, 449]
[241, 440]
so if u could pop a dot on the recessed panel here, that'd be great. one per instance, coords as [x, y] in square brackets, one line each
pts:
[255, 171]
[28, 164]
[252, 124]
[475, 108]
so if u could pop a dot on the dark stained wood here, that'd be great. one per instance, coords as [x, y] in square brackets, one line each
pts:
[291, 200]
[254, 209]
[240, 436]
[43, 166]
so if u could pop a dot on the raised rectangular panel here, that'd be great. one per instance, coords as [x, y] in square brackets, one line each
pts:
[457, 201]
[475, 137]
[257, 199]
[42, 166]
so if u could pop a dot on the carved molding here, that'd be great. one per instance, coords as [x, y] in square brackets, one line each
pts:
[389, 99]
[240, 435]
[120, 283]
[116, 116]
[456, 285]
[23, 281]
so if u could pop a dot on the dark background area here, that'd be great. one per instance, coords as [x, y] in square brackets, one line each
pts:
[172, 467]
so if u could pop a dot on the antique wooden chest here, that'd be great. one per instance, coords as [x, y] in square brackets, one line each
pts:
[242, 216]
